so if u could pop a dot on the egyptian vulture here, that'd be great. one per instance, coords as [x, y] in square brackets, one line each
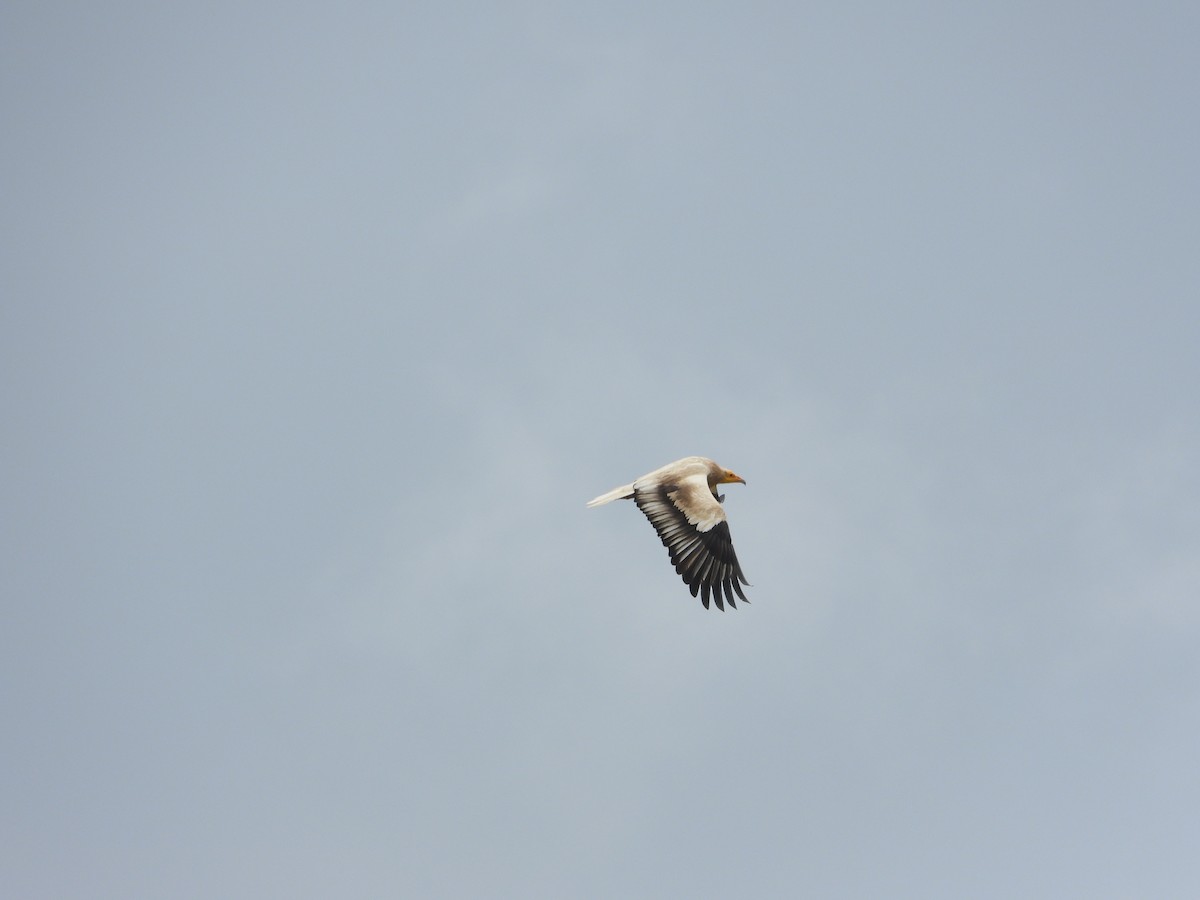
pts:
[682, 503]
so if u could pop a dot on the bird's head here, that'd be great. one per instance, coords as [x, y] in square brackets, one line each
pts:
[727, 477]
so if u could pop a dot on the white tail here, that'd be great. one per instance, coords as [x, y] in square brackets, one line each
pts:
[623, 492]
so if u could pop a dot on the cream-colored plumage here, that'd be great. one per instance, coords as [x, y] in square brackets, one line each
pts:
[682, 504]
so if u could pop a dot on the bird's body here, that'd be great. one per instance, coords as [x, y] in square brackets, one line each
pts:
[682, 504]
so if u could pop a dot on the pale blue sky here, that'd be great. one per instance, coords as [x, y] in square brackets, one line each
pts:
[321, 325]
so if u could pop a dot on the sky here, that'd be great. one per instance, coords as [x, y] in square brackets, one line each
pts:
[320, 325]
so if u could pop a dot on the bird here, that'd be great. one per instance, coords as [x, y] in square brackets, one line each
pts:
[682, 503]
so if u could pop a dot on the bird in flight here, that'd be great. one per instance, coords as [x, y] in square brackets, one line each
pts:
[682, 503]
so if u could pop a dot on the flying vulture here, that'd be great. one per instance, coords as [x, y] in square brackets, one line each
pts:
[682, 503]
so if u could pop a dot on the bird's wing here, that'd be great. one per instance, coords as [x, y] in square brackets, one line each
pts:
[691, 523]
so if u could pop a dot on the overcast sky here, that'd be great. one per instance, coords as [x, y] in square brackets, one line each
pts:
[319, 326]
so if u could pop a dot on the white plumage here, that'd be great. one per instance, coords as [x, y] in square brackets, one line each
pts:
[682, 504]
